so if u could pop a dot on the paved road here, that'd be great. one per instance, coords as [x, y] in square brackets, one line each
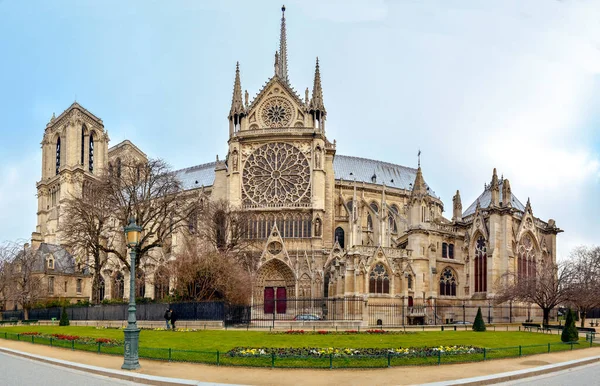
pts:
[584, 375]
[17, 371]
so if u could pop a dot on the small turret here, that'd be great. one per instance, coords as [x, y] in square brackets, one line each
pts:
[495, 189]
[237, 111]
[456, 207]
[316, 107]
[506, 194]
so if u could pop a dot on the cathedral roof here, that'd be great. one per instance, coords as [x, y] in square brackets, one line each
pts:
[486, 198]
[344, 167]
[371, 171]
[197, 176]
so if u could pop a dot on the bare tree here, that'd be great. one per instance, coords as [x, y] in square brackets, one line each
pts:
[584, 280]
[152, 194]
[86, 228]
[205, 274]
[224, 229]
[24, 285]
[547, 287]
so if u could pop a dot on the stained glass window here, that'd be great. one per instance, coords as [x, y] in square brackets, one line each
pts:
[379, 281]
[447, 283]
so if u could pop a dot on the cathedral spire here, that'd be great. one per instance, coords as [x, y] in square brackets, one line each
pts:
[419, 187]
[456, 207]
[283, 74]
[316, 102]
[237, 106]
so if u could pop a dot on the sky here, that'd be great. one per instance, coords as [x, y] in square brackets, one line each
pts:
[475, 85]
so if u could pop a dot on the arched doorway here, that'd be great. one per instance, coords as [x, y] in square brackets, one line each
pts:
[275, 283]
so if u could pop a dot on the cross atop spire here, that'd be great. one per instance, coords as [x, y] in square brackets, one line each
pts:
[283, 74]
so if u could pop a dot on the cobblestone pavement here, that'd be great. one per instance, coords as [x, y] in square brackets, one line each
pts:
[16, 371]
[584, 375]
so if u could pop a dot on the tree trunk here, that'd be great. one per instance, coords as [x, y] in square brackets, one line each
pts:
[96, 288]
[582, 318]
[25, 313]
[546, 315]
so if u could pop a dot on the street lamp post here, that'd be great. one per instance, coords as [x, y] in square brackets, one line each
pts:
[132, 332]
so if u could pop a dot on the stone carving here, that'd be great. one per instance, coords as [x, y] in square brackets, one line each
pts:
[318, 158]
[234, 160]
[276, 112]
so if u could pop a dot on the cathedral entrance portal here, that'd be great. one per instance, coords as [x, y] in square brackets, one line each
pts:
[275, 282]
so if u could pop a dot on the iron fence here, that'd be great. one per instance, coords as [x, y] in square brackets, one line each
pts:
[350, 312]
[313, 310]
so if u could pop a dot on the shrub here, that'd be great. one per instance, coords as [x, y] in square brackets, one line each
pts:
[479, 324]
[569, 333]
[64, 318]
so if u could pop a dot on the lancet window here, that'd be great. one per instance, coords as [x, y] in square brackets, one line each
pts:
[480, 265]
[57, 155]
[447, 283]
[379, 280]
[526, 263]
[290, 225]
[91, 153]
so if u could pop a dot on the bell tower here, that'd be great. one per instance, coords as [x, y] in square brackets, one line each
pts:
[74, 149]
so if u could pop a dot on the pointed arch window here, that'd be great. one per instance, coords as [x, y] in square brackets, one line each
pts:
[447, 283]
[118, 167]
[375, 207]
[57, 155]
[339, 236]
[445, 250]
[82, 144]
[526, 263]
[480, 265]
[379, 280]
[392, 223]
[409, 281]
[91, 153]
[369, 222]
[118, 291]
[140, 283]
[161, 283]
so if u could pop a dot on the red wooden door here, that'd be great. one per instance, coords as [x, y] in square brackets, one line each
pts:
[410, 301]
[269, 300]
[281, 300]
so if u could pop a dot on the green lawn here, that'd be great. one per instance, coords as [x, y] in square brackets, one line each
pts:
[211, 346]
[212, 340]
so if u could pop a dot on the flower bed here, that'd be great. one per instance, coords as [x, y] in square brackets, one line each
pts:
[75, 338]
[349, 352]
[345, 332]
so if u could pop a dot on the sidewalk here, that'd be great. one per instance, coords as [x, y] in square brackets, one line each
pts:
[261, 376]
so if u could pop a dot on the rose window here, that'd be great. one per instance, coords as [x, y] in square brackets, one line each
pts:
[276, 112]
[276, 174]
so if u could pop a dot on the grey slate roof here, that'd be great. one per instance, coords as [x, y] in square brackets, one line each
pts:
[197, 176]
[64, 262]
[362, 169]
[486, 198]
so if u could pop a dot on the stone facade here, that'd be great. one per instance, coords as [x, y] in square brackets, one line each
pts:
[326, 225]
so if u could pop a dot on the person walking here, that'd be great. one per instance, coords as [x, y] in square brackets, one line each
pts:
[173, 315]
[167, 317]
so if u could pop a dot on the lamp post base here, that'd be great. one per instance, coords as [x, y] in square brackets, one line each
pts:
[132, 338]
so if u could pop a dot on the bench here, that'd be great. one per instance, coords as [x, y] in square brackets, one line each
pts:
[550, 327]
[530, 326]
[30, 321]
[586, 329]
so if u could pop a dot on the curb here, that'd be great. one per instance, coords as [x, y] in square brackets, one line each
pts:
[123, 375]
[519, 374]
